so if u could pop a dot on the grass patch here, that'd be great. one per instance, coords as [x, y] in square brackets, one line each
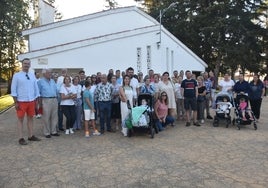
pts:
[5, 102]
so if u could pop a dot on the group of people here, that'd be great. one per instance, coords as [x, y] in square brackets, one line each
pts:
[106, 98]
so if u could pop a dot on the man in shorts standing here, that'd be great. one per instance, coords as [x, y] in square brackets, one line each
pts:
[190, 92]
[25, 92]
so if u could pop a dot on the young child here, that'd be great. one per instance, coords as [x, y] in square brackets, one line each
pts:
[243, 106]
[224, 107]
[89, 110]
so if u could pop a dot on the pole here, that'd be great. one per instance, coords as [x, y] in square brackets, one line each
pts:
[160, 27]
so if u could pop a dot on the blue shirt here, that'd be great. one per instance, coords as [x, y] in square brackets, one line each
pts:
[148, 90]
[88, 94]
[47, 88]
[119, 81]
[24, 87]
[241, 87]
[255, 91]
[208, 85]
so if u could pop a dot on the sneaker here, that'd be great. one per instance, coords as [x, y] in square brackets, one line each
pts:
[202, 121]
[71, 131]
[196, 124]
[188, 124]
[67, 131]
[87, 134]
[55, 134]
[96, 133]
[33, 138]
[48, 136]
[61, 129]
[209, 117]
[22, 141]
[38, 116]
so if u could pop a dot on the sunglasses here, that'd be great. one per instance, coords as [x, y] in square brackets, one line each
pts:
[164, 95]
[28, 78]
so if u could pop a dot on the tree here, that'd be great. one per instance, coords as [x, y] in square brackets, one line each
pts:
[227, 34]
[13, 19]
[111, 4]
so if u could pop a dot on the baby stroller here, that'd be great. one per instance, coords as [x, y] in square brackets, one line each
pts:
[223, 109]
[141, 116]
[239, 120]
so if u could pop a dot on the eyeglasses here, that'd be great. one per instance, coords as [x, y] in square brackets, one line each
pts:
[28, 78]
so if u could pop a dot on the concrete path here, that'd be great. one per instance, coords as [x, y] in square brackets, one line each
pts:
[178, 157]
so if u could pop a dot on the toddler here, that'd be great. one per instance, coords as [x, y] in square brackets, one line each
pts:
[224, 107]
[243, 106]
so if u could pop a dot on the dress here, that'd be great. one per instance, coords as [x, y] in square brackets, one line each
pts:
[169, 89]
[124, 109]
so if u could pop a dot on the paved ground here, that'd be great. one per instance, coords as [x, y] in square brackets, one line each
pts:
[178, 157]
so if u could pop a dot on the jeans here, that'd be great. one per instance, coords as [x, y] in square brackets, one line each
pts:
[78, 112]
[69, 113]
[105, 108]
[60, 117]
[160, 125]
[200, 110]
[256, 107]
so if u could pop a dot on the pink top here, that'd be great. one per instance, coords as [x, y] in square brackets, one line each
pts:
[243, 105]
[162, 109]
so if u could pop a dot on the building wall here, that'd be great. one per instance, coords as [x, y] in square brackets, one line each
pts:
[81, 29]
[123, 53]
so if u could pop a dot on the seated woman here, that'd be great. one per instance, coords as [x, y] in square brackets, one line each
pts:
[161, 112]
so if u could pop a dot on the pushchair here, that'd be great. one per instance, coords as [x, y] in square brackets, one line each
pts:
[223, 109]
[141, 117]
[238, 119]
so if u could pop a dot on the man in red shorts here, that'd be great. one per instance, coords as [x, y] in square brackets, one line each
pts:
[24, 90]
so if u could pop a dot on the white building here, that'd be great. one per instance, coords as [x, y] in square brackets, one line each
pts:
[117, 39]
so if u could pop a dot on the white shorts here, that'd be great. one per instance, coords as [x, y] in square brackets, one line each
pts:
[89, 115]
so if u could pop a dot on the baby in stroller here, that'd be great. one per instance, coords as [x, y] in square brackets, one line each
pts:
[144, 118]
[224, 107]
[243, 106]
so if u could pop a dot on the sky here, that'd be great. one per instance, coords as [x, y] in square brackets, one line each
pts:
[74, 8]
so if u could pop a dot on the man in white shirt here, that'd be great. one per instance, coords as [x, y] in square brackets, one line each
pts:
[25, 92]
[134, 83]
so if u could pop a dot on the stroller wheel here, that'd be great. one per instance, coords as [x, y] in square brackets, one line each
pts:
[129, 132]
[255, 126]
[215, 124]
[227, 125]
[152, 132]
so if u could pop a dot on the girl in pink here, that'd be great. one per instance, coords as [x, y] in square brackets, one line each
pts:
[243, 106]
[161, 112]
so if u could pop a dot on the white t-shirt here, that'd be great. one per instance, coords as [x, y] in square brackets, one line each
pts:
[78, 90]
[67, 90]
[225, 85]
[134, 83]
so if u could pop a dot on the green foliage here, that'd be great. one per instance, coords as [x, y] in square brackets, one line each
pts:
[13, 19]
[227, 34]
